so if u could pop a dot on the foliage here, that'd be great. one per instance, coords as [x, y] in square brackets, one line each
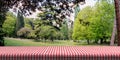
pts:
[70, 32]
[19, 22]
[103, 23]
[23, 32]
[27, 6]
[9, 24]
[29, 23]
[47, 32]
[82, 25]
[96, 27]
[64, 31]
[94, 23]
[31, 35]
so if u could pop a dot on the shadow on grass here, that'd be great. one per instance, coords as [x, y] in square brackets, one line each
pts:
[91, 44]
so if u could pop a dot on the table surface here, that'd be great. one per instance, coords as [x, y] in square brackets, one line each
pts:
[61, 50]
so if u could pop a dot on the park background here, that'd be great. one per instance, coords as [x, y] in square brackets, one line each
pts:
[90, 23]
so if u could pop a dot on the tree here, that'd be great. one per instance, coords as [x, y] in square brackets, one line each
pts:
[9, 24]
[19, 22]
[45, 31]
[113, 34]
[117, 10]
[95, 23]
[29, 23]
[27, 6]
[64, 30]
[103, 20]
[82, 25]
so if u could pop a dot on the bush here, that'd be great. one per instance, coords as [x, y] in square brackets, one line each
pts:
[23, 32]
[47, 33]
[31, 35]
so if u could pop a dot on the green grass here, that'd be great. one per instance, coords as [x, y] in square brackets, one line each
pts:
[26, 42]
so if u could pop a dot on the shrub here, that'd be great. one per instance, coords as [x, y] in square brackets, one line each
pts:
[23, 32]
[31, 35]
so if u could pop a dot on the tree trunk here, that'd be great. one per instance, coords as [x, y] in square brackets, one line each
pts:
[2, 19]
[88, 42]
[113, 34]
[96, 41]
[1, 36]
[101, 41]
[1, 33]
[105, 41]
[52, 40]
[117, 3]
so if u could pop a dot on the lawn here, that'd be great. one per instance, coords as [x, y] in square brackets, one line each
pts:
[27, 42]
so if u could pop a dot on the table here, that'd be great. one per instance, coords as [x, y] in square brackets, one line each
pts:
[60, 53]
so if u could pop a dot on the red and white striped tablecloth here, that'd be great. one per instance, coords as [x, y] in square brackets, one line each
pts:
[60, 53]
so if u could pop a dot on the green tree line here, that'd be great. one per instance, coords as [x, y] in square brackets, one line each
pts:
[95, 23]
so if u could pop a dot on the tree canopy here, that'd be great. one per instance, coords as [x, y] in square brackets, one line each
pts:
[95, 23]
[27, 6]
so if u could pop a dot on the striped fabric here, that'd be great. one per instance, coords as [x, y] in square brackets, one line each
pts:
[60, 53]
